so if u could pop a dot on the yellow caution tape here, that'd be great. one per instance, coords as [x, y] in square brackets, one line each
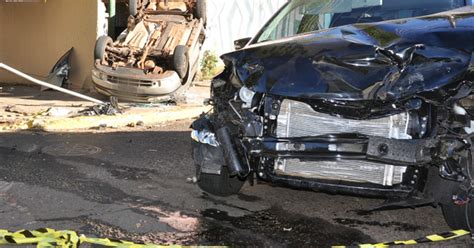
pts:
[46, 237]
[428, 239]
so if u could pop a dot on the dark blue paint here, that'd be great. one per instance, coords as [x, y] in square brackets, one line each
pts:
[352, 62]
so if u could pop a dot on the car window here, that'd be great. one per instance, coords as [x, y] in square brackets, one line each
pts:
[301, 16]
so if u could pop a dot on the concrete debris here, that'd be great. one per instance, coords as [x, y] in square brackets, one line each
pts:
[15, 109]
[60, 112]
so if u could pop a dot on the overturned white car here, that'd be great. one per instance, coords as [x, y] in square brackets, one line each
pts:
[157, 56]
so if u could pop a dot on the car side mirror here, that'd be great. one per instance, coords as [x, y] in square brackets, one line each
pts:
[241, 43]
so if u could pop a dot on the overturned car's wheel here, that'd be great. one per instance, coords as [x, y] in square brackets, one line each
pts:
[180, 60]
[100, 46]
[219, 185]
[133, 7]
[201, 10]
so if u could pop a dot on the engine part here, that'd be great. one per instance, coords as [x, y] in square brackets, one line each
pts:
[344, 170]
[298, 119]
[416, 152]
[230, 153]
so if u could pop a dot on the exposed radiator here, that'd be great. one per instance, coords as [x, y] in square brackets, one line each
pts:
[297, 119]
[345, 170]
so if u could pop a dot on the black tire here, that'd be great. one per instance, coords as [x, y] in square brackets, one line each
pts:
[457, 216]
[201, 10]
[100, 46]
[133, 7]
[180, 60]
[219, 185]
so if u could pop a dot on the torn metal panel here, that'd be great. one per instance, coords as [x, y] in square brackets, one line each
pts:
[59, 74]
[383, 62]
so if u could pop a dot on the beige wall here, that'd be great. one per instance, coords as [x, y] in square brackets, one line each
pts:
[1, 33]
[35, 35]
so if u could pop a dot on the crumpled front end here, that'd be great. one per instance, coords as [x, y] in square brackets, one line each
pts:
[290, 142]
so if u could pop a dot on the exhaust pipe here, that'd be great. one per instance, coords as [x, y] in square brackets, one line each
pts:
[230, 152]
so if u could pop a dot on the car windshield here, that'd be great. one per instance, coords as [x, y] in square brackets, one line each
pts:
[302, 16]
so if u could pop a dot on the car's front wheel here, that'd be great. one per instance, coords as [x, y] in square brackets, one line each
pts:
[459, 216]
[219, 185]
[458, 209]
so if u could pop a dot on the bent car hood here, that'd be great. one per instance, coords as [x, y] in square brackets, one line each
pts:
[378, 61]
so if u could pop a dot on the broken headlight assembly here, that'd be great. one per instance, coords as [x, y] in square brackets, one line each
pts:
[247, 97]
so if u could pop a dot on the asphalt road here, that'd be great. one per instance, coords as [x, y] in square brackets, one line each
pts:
[133, 185]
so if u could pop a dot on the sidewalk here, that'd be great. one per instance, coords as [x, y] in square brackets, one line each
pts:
[27, 108]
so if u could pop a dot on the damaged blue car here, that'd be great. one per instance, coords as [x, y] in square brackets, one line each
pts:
[370, 98]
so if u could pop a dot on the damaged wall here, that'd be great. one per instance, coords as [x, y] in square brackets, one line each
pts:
[1, 36]
[248, 16]
[36, 35]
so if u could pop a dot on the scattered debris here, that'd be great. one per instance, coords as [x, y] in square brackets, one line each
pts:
[60, 112]
[101, 109]
[111, 108]
[192, 179]
[15, 109]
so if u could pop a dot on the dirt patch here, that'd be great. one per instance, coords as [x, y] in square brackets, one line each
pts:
[159, 238]
[176, 220]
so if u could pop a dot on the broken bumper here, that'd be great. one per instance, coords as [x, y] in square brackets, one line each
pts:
[362, 165]
[134, 85]
[370, 166]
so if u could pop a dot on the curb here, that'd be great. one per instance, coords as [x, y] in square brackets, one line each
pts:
[132, 118]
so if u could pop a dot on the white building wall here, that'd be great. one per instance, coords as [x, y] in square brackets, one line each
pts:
[229, 20]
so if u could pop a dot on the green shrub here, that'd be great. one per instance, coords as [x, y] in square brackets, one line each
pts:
[209, 65]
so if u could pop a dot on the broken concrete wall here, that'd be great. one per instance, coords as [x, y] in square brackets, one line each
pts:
[35, 35]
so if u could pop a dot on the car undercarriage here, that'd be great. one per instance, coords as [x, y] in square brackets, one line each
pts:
[156, 56]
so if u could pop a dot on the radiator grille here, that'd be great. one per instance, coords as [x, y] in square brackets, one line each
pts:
[358, 171]
[297, 119]
[130, 82]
